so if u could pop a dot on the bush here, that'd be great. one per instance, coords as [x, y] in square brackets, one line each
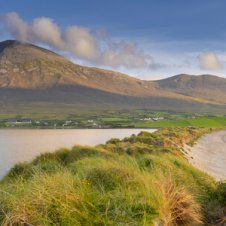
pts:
[221, 193]
[60, 155]
[22, 170]
[113, 141]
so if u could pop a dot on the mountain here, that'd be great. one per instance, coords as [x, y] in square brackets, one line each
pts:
[34, 79]
[30, 67]
[207, 87]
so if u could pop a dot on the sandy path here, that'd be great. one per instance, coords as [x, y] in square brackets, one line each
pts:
[209, 154]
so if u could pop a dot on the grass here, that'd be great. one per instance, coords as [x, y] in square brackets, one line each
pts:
[140, 180]
[198, 122]
[135, 118]
[116, 119]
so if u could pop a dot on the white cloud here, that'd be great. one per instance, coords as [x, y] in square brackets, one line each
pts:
[96, 48]
[125, 53]
[81, 42]
[46, 31]
[209, 61]
[17, 27]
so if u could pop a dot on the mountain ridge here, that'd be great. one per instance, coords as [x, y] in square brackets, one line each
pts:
[24, 66]
[208, 87]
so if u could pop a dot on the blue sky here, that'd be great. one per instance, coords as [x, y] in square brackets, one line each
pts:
[147, 38]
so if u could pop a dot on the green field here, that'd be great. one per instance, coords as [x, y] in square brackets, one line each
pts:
[139, 118]
[200, 122]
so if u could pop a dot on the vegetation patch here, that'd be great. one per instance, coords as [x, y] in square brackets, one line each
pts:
[139, 180]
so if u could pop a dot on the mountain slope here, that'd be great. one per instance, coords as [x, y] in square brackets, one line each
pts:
[28, 66]
[207, 87]
[34, 77]
[31, 67]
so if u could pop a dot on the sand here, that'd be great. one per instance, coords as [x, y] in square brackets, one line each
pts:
[209, 154]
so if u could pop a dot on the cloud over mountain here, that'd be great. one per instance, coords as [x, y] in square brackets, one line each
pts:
[80, 41]
[209, 61]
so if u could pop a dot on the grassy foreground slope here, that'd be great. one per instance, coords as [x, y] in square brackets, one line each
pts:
[140, 180]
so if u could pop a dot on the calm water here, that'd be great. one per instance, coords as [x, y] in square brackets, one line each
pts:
[23, 145]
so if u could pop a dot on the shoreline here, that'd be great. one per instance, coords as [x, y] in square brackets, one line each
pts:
[51, 128]
[209, 154]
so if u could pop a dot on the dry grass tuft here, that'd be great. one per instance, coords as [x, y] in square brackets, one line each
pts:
[179, 206]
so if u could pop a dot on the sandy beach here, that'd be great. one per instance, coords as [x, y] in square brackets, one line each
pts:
[209, 154]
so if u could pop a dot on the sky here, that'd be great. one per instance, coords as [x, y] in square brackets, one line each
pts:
[149, 39]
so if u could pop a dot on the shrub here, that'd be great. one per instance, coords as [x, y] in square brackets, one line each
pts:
[113, 141]
[23, 170]
[216, 208]
[221, 192]
[59, 155]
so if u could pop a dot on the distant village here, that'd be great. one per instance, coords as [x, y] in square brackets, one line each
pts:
[50, 123]
[88, 123]
[152, 119]
[108, 120]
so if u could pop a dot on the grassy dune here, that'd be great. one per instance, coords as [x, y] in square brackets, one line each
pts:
[140, 180]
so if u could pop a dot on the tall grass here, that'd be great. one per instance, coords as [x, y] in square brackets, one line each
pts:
[141, 180]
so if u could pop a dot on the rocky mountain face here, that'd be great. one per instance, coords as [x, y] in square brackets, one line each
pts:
[28, 66]
[30, 74]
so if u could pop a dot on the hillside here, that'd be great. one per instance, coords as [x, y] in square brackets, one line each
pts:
[34, 77]
[30, 67]
[140, 180]
[207, 87]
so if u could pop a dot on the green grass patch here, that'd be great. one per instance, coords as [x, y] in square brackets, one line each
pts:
[138, 181]
[115, 119]
[198, 122]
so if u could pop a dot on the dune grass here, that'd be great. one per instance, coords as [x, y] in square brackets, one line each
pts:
[140, 180]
